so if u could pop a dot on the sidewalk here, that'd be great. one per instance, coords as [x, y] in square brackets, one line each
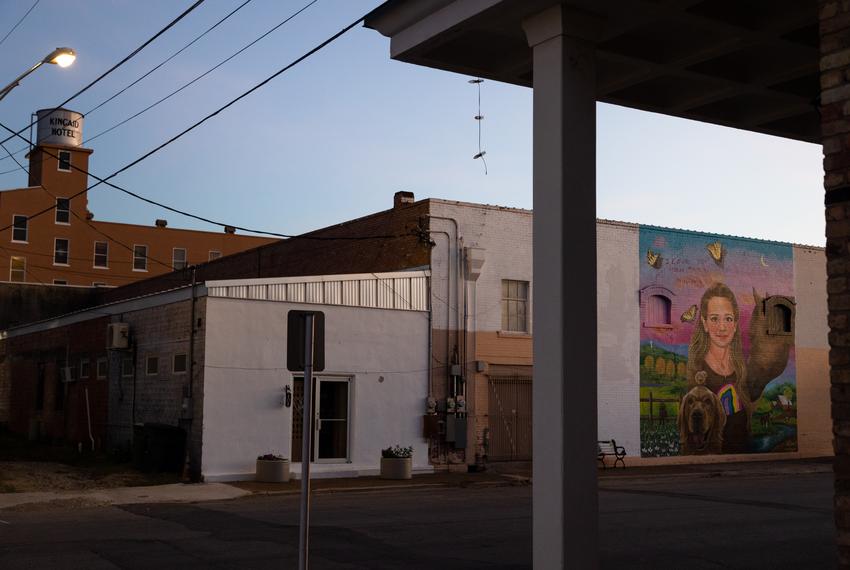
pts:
[498, 475]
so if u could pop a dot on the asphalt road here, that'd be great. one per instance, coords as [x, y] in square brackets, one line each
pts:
[723, 522]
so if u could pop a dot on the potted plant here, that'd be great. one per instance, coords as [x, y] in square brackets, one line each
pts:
[397, 462]
[272, 468]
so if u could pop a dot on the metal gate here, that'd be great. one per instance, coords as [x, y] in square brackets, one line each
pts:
[510, 418]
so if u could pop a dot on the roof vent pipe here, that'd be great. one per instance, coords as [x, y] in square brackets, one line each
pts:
[161, 223]
[229, 230]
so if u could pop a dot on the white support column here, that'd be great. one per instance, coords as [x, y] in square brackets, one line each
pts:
[565, 502]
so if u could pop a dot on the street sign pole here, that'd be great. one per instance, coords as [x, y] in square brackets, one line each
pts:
[306, 443]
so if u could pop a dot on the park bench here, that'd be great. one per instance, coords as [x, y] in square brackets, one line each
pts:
[609, 448]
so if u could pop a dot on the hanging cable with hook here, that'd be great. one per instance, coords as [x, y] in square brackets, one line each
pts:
[479, 117]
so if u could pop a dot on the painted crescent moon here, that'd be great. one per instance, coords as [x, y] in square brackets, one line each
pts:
[763, 262]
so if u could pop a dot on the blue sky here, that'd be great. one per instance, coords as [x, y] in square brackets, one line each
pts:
[334, 138]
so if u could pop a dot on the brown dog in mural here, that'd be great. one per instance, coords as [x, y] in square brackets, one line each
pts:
[701, 420]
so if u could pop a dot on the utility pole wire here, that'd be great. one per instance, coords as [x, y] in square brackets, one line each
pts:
[110, 70]
[194, 126]
[153, 69]
[199, 77]
[24, 17]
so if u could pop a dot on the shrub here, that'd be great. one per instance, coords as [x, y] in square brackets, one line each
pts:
[398, 452]
[270, 457]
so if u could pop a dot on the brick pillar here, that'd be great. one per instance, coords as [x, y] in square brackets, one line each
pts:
[835, 133]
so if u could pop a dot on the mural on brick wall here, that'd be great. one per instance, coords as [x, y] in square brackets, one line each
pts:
[717, 369]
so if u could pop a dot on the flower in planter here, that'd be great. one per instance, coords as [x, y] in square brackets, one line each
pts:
[397, 452]
[270, 457]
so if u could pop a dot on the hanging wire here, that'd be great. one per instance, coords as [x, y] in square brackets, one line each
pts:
[479, 117]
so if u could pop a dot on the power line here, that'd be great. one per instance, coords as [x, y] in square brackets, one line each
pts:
[191, 128]
[199, 77]
[111, 69]
[87, 222]
[149, 72]
[169, 58]
[24, 17]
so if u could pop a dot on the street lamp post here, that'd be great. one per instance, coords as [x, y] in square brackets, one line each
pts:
[63, 57]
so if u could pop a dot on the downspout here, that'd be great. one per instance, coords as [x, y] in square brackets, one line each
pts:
[457, 289]
[192, 337]
[88, 418]
[448, 299]
[135, 374]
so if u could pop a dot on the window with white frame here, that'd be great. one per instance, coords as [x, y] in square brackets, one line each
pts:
[18, 269]
[101, 254]
[152, 365]
[98, 284]
[19, 229]
[60, 251]
[63, 211]
[85, 368]
[514, 305]
[64, 161]
[214, 254]
[102, 368]
[140, 258]
[178, 258]
[179, 363]
[126, 367]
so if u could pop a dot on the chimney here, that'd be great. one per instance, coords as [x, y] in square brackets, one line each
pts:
[161, 223]
[401, 198]
[229, 230]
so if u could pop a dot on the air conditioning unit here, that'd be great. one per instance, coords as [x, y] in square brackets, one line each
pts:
[67, 375]
[117, 335]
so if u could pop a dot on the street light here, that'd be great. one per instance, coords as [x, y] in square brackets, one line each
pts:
[63, 57]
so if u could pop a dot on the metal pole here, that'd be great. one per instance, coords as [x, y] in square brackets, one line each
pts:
[306, 441]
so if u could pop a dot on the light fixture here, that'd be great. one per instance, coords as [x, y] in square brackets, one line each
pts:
[63, 57]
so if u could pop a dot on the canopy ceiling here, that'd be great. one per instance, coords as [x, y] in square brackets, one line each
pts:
[749, 64]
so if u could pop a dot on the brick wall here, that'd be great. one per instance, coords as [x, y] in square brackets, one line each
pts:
[835, 129]
[40, 403]
[301, 256]
[138, 398]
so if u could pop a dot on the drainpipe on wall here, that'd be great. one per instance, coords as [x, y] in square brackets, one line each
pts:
[449, 287]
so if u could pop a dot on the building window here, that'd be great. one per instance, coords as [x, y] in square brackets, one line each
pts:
[780, 312]
[60, 282]
[658, 311]
[152, 365]
[178, 258]
[140, 258]
[65, 161]
[126, 367]
[98, 284]
[60, 251]
[514, 305]
[63, 211]
[214, 254]
[102, 368]
[18, 269]
[178, 364]
[19, 229]
[85, 368]
[101, 254]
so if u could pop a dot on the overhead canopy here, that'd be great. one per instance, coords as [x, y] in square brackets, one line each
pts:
[749, 64]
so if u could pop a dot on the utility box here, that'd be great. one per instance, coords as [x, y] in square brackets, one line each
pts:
[430, 426]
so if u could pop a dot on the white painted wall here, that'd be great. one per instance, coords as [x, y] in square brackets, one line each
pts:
[383, 351]
[618, 313]
[505, 236]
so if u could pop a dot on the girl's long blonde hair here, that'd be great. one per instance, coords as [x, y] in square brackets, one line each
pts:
[700, 341]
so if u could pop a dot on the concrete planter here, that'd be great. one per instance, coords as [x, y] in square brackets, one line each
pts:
[272, 470]
[396, 467]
